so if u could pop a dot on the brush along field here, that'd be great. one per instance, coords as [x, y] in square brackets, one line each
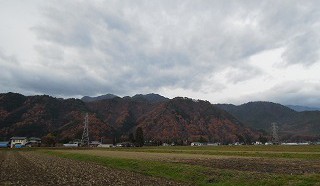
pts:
[222, 165]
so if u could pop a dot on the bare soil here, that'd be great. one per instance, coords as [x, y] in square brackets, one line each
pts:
[29, 168]
[278, 166]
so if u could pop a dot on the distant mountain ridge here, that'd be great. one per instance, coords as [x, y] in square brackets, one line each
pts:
[154, 98]
[160, 118]
[102, 97]
[299, 108]
[260, 115]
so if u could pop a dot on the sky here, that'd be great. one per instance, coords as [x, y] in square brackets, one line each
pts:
[222, 51]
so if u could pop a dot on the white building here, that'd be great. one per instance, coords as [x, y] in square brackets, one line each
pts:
[18, 141]
[196, 144]
[72, 144]
[257, 143]
[213, 144]
[105, 145]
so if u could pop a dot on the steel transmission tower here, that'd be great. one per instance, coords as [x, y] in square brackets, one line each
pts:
[85, 134]
[275, 137]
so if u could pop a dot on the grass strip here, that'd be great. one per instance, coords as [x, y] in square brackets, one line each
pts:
[264, 148]
[260, 154]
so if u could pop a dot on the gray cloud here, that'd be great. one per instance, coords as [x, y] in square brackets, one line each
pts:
[303, 49]
[292, 92]
[300, 93]
[7, 65]
[125, 47]
[241, 73]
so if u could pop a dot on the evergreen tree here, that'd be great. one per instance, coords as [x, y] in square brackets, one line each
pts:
[202, 140]
[131, 138]
[262, 139]
[139, 137]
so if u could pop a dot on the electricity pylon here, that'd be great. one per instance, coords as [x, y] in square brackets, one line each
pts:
[85, 135]
[275, 137]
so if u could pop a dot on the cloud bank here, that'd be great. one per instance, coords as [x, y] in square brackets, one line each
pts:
[204, 48]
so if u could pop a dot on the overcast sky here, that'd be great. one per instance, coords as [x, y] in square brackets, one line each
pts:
[222, 51]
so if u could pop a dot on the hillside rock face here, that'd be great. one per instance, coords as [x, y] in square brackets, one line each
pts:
[260, 115]
[160, 118]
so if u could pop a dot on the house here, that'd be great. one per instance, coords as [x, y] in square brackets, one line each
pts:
[196, 144]
[75, 143]
[33, 142]
[18, 142]
[94, 143]
[125, 144]
[213, 144]
[257, 143]
[237, 143]
[105, 145]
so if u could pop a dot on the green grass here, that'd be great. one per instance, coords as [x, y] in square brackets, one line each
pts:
[310, 152]
[271, 148]
[301, 152]
[192, 174]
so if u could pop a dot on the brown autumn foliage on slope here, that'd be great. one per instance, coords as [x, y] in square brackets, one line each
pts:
[120, 113]
[173, 120]
[179, 119]
[39, 115]
[187, 119]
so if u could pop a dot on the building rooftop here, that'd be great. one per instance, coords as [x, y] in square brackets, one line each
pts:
[35, 139]
[18, 138]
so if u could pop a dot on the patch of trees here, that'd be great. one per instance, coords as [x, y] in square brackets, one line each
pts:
[139, 137]
[49, 140]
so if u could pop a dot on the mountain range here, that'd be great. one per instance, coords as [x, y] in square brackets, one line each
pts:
[299, 108]
[162, 119]
[291, 123]
[153, 98]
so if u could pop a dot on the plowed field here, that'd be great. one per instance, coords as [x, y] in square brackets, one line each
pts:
[222, 165]
[30, 168]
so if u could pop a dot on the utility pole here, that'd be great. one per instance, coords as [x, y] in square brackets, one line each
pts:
[85, 135]
[275, 137]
